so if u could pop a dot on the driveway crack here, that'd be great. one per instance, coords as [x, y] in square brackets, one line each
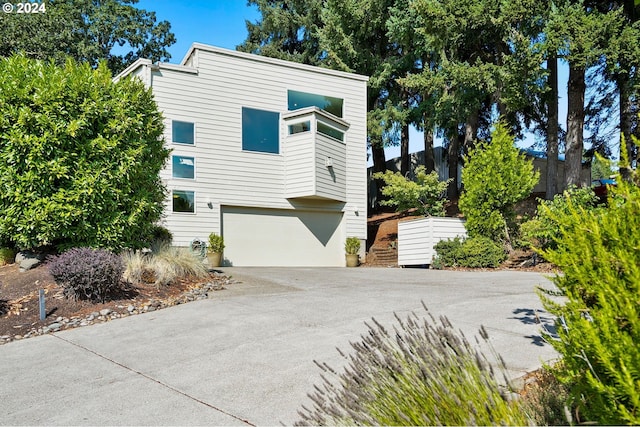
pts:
[142, 374]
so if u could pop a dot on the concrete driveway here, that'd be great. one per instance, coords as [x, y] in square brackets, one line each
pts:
[246, 355]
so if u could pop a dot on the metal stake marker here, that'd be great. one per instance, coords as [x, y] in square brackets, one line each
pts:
[43, 312]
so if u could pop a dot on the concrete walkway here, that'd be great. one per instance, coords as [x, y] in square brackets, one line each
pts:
[246, 355]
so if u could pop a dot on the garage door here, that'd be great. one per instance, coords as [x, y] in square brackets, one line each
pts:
[274, 237]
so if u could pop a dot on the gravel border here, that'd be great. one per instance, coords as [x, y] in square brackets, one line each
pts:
[202, 291]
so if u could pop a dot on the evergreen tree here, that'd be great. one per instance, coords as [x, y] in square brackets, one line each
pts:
[87, 31]
[496, 177]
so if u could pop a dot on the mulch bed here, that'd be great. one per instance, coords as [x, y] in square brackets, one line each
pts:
[19, 301]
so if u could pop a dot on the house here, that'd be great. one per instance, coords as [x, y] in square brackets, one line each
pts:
[268, 153]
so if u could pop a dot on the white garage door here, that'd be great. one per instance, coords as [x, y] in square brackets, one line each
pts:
[274, 237]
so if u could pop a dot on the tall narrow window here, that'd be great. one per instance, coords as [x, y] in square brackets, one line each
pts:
[298, 100]
[184, 201]
[182, 132]
[260, 130]
[183, 167]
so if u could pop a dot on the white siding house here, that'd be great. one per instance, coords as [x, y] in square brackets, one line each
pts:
[268, 153]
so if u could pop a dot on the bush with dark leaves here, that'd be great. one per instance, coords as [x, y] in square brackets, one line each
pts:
[86, 273]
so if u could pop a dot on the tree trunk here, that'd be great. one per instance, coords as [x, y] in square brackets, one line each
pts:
[471, 131]
[626, 123]
[453, 153]
[404, 150]
[575, 125]
[429, 158]
[552, 128]
[379, 165]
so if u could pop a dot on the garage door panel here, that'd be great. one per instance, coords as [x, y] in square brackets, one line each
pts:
[273, 237]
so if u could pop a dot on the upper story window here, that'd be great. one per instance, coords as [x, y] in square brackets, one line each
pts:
[330, 131]
[182, 132]
[260, 130]
[299, 127]
[183, 167]
[299, 100]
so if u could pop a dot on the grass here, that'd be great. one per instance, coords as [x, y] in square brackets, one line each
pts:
[163, 267]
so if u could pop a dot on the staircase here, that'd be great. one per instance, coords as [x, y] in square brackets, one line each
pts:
[382, 257]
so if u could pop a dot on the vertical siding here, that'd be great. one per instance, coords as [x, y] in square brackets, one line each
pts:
[226, 175]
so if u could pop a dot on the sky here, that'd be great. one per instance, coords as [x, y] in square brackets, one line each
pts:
[221, 23]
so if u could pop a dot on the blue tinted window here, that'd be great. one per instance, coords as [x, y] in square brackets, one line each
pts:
[260, 130]
[183, 167]
[299, 100]
[329, 131]
[182, 132]
[184, 201]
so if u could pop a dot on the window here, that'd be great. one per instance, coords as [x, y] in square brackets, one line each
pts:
[184, 201]
[182, 132]
[299, 100]
[329, 131]
[299, 127]
[260, 130]
[183, 167]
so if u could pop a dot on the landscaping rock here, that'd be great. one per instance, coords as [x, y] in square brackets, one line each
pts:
[28, 260]
[105, 312]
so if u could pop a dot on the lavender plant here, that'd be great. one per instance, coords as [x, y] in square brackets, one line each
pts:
[421, 373]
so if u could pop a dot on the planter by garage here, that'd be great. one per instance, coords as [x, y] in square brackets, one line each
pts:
[352, 260]
[215, 259]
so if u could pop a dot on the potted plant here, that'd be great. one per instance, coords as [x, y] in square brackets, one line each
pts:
[351, 248]
[214, 250]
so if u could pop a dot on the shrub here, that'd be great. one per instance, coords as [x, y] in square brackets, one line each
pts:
[544, 400]
[79, 157]
[426, 193]
[160, 238]
[86, 273]
[216, 243]
[163, 267]
[352, 246]
[496, 176]
[448, 252]
[540, 231]
[597, 251]
[476, 252]
[7, 256]
[420, 373]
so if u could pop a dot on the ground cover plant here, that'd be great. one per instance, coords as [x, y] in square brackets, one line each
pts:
[422, 372]
[474, 252]
[599, 321]
[79, 157]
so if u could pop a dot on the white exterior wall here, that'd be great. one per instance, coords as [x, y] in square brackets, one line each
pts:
[211, 92]
[416, 238]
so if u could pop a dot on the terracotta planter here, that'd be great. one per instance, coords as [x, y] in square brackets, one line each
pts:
[214, 258]
[352, 260]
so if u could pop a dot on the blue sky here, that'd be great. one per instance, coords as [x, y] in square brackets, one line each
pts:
[222, 23]
[216, 22]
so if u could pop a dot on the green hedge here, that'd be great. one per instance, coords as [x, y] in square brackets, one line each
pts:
[476, 252]
[79, 157]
